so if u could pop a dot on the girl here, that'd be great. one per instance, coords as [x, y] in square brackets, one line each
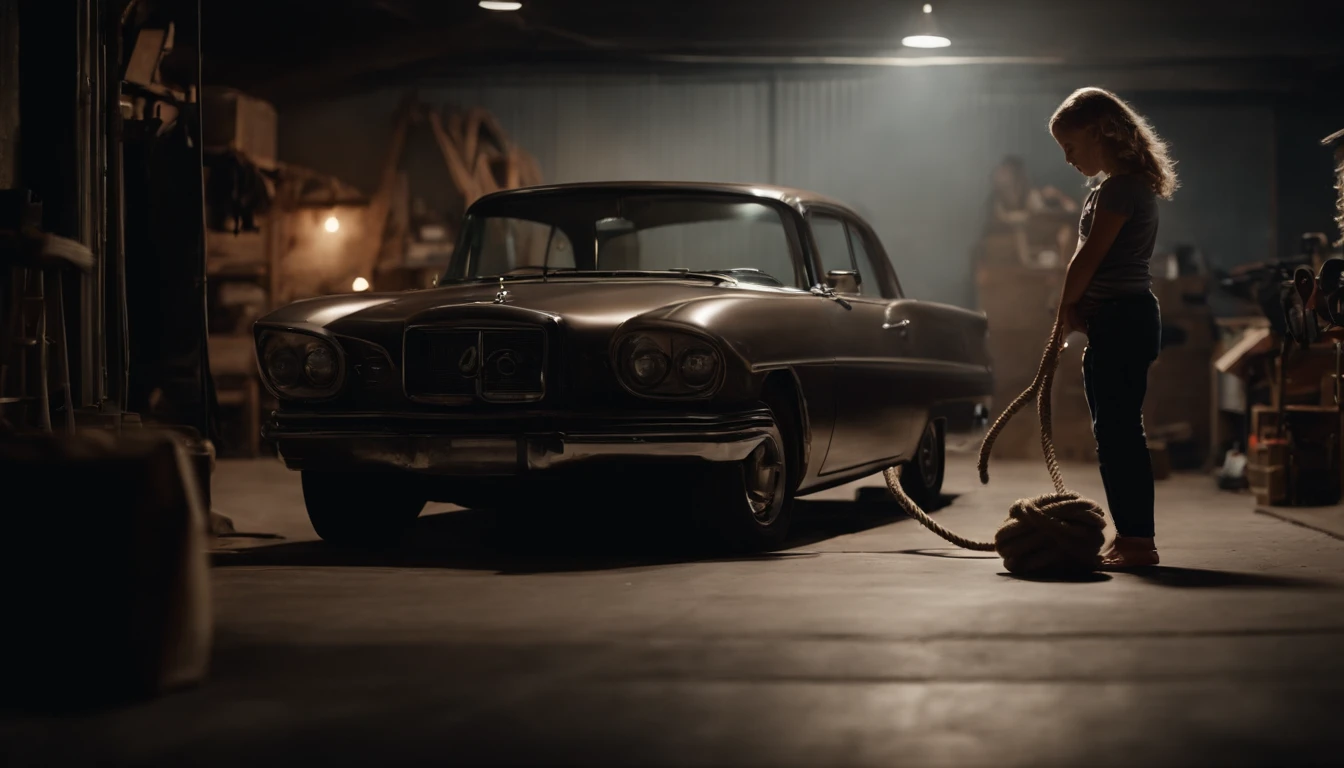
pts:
[1107, 294]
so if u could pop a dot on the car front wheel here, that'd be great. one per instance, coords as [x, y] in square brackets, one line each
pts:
[748, 505]
[359, 509]
[922, 477]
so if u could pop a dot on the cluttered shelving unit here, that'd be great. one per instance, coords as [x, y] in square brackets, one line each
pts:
[244, 240]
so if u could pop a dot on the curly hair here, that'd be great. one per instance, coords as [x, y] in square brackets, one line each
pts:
[1126, 133]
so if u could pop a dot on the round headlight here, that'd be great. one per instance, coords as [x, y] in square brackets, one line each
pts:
[649, 366]
[320, 366]
[698, 367]
[282, 365]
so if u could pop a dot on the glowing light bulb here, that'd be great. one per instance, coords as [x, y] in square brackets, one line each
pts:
[926, 33]
[925, 41]
[360, 284]
[497, 5]
[331, 224]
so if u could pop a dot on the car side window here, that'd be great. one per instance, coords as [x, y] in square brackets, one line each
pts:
[832, 243]
[869, 283]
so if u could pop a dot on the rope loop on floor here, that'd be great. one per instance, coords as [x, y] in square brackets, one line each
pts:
[1060, 531]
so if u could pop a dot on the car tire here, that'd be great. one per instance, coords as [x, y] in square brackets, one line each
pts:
[922, 476]
[748, 505]
[358, 509]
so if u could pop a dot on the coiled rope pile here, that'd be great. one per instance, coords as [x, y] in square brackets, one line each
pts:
[1058, 531]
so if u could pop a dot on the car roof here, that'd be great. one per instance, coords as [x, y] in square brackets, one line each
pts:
[798, 199]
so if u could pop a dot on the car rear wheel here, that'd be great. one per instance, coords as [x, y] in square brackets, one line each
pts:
[922, 476]
[748, 505]
[357, 509]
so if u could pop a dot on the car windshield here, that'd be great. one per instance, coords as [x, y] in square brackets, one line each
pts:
[588, 233]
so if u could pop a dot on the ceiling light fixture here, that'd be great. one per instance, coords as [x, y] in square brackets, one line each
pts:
[499, 5]
[926, 32]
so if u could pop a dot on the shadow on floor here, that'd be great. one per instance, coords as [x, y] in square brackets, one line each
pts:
[598, 539]
[1167, 576]
[1062, 577]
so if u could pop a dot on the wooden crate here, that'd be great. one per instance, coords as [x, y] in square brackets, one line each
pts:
[1264, 422]
[1307, 459]
[1269, 483]
[1269, 453]
[236, 120]
[1016, 297]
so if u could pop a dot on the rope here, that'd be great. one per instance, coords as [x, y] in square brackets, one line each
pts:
[1055, 531]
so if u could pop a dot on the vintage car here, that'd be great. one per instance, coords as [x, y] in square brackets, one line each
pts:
[731, 346]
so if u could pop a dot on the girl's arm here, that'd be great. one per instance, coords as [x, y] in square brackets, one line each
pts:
[1105, 226]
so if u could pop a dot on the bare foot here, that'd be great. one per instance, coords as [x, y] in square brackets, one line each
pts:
[1129, 552]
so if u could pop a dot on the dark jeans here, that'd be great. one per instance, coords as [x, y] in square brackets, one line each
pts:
[1124, 337]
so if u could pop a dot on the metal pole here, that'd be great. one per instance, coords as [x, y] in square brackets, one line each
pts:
[43, 377]
[65, 356]
[115, 282]
[196, 132]
[88, 188]
[96, 284]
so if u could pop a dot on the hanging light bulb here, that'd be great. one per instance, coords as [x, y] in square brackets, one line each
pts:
[926, 32]
[332, 224]
[360, 284]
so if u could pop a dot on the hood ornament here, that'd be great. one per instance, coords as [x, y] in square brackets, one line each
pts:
[503, 294]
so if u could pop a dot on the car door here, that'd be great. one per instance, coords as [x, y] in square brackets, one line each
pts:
[870, 343]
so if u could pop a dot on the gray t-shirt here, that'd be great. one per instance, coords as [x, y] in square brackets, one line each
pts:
[1124, 270]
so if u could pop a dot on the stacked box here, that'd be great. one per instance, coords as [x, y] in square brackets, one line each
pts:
[1264, 423]
[1268, 483]
[1313, 463]
[1021, 303]
[1180, 384]
[238, 121]
[1267, 470]
[1301, 467]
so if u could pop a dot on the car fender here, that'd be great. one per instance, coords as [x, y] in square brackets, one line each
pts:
[761, 335]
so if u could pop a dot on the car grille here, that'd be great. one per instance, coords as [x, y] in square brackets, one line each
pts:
[495, 364]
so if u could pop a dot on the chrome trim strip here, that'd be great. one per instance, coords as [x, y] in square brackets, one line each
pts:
[911, 363]
[441, 455]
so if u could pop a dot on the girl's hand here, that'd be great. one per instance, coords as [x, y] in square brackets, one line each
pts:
[1069, 319]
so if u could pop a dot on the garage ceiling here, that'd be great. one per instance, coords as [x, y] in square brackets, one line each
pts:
[312, 49]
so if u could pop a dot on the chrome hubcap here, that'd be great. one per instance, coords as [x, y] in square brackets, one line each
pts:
[762, 472]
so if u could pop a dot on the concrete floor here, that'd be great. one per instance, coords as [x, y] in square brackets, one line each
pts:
[869, 642]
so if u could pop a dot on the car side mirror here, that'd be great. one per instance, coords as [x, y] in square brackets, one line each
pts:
[843, 280]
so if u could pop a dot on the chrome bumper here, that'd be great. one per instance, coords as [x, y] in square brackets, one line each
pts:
[476, 447]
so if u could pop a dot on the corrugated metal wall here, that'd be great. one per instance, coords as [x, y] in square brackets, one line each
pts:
[911, 148]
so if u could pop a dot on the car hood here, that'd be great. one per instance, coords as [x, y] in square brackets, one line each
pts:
[579, 304]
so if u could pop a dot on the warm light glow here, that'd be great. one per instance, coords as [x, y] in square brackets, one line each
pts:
[331, 224]
[928, 8]
[925, 41]
[497, 5]
[360, 284]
